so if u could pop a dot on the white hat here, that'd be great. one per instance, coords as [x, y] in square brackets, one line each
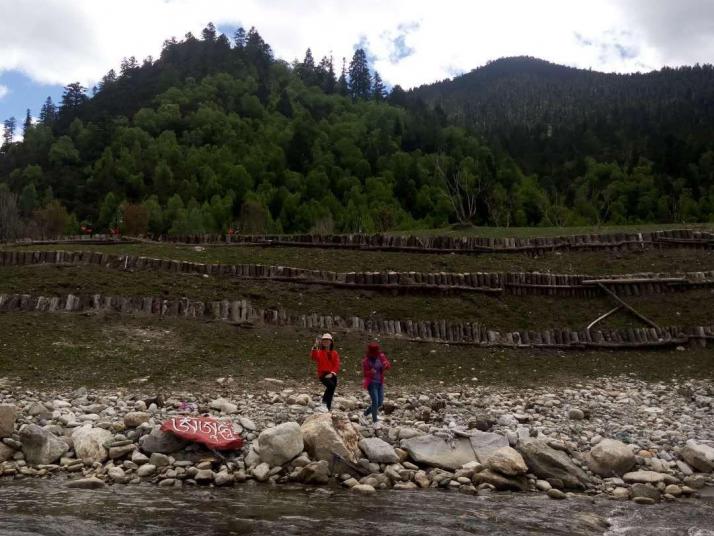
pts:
[327, 336]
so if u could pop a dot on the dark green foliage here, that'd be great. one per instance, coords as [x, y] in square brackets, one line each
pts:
[210, 137]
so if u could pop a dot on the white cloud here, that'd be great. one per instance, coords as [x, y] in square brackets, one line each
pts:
[4, 90]
[414, 42]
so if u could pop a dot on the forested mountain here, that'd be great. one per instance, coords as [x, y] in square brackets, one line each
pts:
[552, 119]
[217, 134]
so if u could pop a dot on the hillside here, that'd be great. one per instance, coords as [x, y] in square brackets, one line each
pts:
[217, 134]
[550, 118]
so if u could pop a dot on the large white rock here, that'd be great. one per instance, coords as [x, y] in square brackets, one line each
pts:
[507, 461]
[280, 444]
[378, 451]
[611, 458]
[223, 405]
[644, 477]
[326, 434]
[485, 444]
[39, 446]
[89, 443]
[699, 456]
[437, 452]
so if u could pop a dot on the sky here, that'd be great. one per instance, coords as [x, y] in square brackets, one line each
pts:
[45, 44]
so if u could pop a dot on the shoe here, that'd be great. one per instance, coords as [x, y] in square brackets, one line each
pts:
[377, 425]
[363, 420]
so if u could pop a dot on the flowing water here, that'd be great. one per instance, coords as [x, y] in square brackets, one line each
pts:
[48, 508]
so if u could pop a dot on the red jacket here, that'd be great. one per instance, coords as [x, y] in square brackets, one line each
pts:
[328, 361]
[369, 371]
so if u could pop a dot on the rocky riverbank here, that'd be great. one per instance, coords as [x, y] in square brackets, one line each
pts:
[618, 438]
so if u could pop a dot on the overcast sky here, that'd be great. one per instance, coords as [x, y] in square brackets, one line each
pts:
[45, 44]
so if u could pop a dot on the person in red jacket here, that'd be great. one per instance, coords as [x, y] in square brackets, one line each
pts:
[328, 365]
[373, 366]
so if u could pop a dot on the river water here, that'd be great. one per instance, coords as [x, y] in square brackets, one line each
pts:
[48, 508]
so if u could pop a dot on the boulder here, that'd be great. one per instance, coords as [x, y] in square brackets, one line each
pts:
[363, 488]
[485, 444]
[145, 470]
[378, 451]
[8, 416]
[326, 434]
[610, 457]
[89, 443]
[507, 461]
[500, 481]
[437, 452]
[699, 456]
[645, 490]
[280, 444]
[548, 463]
[117, 474]
[159, 441]
[315, 473]
[41, 447]
[136, 418]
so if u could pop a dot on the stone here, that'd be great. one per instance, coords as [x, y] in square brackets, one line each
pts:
[645, 490]
[204, 476]
[621, 493]
[117, 474]
[556, 494]
[223, 405]
[674, 490]
[6, 452]
[326, 434]
[699, 456]
[133, 419]
[576, 414]
[611, 457]
[378, 451]
[363, 488]
[644, 477]
[89, 443]
[280, 444]
[303, 399]
[163, 442]
[645, 500]
[485, 444]
[224, 479]
[261, 472]
[87, 483]
[159, 460]
[146, 470]
[501, 482]
[246, 423]
[139, 458]
[548, 463]
[41, 447]
[315, 473]
[8, 416]
[437, 452]
[120, 452]
[507, 461]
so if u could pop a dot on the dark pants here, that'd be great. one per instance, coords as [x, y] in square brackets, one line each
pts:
[376, 393]
[330, 386]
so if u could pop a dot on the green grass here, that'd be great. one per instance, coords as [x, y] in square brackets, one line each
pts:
[499, 312]
[53, 351]
[567, 262]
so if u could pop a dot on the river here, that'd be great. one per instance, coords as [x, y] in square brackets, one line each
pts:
[48, 508]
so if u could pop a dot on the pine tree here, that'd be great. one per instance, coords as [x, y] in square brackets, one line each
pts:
[73, 96]
[360, 80]
[209, 33]
[306, 70]
[343, 87]
[48, 112]
[239, 38]
[326, 74]
[8, 131]
[378, 90]
[27, 125]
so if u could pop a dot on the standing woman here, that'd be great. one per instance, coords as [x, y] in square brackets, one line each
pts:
[373, 366]
[328, 365]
